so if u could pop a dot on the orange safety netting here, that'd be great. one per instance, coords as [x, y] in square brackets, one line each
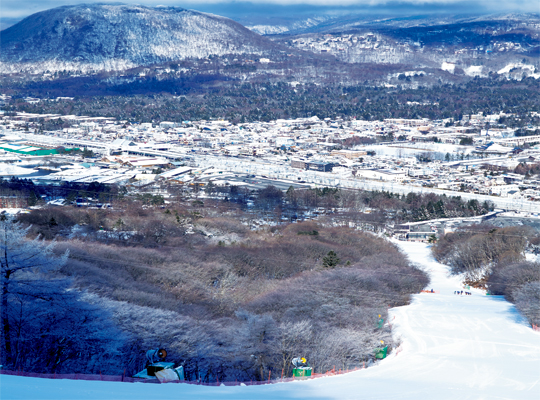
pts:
[122, 378]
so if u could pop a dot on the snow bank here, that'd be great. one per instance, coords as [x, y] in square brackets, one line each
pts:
[473, 70]
[525, 69]
[450, 67]
[454, 347]
[510, 67]
[11, 170]
[268, 29]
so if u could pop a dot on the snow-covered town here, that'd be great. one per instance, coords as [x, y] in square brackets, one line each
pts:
[476, 157]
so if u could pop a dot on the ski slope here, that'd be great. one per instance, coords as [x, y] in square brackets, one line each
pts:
[454, 347]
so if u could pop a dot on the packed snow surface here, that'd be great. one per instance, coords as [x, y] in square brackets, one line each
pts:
[454, 347]
[473, 70]
[436, 150]
[11, 170]
[450, 67]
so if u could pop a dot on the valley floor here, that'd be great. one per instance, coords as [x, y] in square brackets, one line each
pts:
[453, 347]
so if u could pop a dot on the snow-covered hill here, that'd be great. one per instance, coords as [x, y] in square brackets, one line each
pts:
[116, 37]
[476, 46]
[273, 26]
[453, 347]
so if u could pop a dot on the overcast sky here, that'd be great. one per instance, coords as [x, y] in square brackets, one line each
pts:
[12, 11]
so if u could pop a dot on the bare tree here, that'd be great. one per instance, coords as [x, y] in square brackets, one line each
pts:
[22, 262]
[295, 339]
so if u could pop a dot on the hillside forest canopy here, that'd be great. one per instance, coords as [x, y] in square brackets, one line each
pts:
[152, 100]
[227, 301]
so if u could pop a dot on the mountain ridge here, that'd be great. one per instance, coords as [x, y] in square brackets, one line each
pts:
[110, 37]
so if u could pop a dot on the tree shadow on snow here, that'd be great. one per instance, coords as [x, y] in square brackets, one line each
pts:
[511, 312]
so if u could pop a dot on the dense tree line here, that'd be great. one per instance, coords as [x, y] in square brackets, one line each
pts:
[269, 101]
[20, 187]
[372, 207]
[376, 208]
[71, 192]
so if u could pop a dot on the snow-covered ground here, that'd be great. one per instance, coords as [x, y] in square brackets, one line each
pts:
[454, 347]
[12, 170]
[437, 151]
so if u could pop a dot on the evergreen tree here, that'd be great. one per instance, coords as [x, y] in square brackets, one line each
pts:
[331, 260]
[33, 198]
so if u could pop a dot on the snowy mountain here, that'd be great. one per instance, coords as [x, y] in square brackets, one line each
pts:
[325, 23]
[412, 51]
[458, 46]
[116, 37]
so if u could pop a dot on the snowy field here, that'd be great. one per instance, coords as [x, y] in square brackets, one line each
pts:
[454, 347]
[14, 170]
[437, 151]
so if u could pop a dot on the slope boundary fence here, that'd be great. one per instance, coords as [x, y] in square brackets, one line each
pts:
[123, 378]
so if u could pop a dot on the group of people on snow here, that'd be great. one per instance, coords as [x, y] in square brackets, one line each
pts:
[462, 292]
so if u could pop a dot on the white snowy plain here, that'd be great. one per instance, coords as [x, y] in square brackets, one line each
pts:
[453, 347]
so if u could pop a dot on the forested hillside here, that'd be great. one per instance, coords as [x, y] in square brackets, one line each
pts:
[95, 37]
[226, 301]
[205, 97]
